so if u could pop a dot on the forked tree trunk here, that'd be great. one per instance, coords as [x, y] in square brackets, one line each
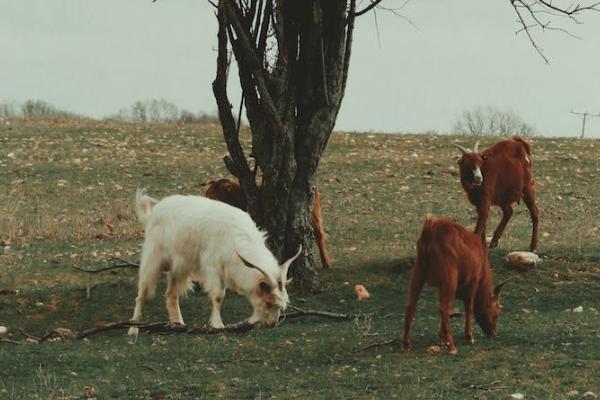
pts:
[293, 59]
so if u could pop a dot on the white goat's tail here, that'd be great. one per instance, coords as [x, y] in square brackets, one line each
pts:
[143, 205]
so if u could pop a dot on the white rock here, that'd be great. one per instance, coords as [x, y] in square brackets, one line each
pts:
[3, 330]
[522, 259]
[590, 395]
[578, 309]
[516, 396]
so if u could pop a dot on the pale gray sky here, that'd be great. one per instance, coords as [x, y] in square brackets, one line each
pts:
[97, 56]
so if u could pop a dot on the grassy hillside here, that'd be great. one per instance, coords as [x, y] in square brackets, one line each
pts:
[66, 191]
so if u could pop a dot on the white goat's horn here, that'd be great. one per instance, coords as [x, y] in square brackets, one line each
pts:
[250, 265]
[464, 150]
[291, 260]
[476, 149]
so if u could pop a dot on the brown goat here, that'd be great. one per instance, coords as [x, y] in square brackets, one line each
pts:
[231, 193]
[455, 261]
[501, 176]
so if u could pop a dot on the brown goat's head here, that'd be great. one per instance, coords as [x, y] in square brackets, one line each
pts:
[487, 315]
[470, 164]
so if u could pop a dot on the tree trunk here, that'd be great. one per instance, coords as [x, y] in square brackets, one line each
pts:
[293, 59]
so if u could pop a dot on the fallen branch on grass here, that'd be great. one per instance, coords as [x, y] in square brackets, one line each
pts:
[300, 312]
[10, 341]
[378, 344]
[172, 328]
[123, 264]
[168, 327]
[61, 333]
[490, 387]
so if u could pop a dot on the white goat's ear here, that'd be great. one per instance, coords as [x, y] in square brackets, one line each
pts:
[286, 265]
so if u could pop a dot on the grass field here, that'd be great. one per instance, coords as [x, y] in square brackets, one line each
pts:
[66, 191]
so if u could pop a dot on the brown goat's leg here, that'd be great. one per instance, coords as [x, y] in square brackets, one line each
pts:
[316, 221]
[507, 212]
[483, 212]
[416, 284]
[446, 298]
[469, 307]
[529, 200]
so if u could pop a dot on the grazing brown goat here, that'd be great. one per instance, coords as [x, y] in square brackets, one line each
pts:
[501, 176]
[230, 192]
[455, 261]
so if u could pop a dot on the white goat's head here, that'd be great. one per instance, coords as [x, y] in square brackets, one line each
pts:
[269, 296]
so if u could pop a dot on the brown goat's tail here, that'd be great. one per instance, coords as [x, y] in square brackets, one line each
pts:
[425, 235]
[525, 144]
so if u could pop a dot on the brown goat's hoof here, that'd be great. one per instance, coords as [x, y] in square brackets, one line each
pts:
[469, 340]
[453, 351]
[493, 245]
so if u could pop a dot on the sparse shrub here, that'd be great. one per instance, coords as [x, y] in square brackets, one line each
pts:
[491, 121]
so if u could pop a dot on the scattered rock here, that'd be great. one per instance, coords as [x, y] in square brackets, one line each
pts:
[572, 393]
[589, 395]
[361, 292]
[3, 331]
[515, 396]
[434, 349]
[578, 309]
[522, 260]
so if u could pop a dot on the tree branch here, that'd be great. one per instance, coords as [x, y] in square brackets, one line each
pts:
[374, 3]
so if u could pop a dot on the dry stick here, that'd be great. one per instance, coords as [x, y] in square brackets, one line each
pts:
[378, 344]
[167, 327]
[328, 314]
[125, 264]
[488, 386]
[240, 327]
[10, 341]
[49, 334]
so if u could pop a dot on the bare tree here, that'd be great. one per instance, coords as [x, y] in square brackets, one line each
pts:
[491, 121]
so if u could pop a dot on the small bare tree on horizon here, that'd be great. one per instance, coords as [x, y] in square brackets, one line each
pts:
[492, 121]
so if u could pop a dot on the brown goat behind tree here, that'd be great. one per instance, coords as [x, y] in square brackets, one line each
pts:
[500, 175]
[455, 261]
[231, 193]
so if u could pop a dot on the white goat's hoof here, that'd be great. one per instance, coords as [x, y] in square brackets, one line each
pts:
[133, 331]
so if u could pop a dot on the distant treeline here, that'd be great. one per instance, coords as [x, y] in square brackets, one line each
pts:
[151, 110]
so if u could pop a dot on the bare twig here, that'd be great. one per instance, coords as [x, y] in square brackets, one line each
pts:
[378, 344]
[490, 387]
[124, 264]
[528, 17]
[374, 3]
[9, 341]
[167, 327]
[300, 312]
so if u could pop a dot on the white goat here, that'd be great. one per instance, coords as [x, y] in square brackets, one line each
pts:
[195, 238]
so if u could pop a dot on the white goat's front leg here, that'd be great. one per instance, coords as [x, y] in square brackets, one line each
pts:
[216, 297]
[172, 299]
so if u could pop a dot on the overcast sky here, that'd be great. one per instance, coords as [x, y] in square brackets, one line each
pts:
[97, 56]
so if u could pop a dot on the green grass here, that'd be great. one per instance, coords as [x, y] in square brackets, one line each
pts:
[66, 190]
